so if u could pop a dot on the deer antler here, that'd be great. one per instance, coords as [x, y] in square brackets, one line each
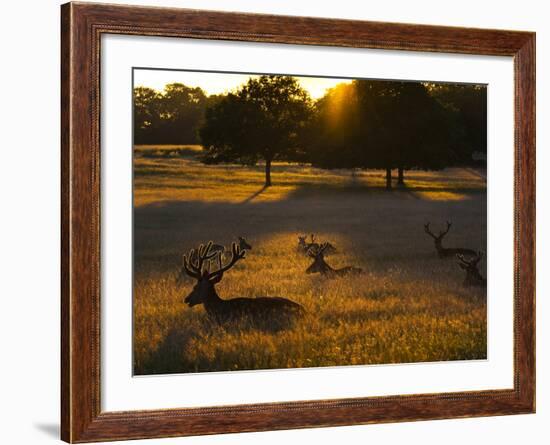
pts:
[188, 265]
[473, 262]
[477, 258]
[428, 231]
[315, 251]
[202, 254]
[462, 259]
[322, 248]
[236, 255]
[442, 233]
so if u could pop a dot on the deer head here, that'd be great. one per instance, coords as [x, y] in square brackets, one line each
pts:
[473, 277]
[437, 238]
[243, 244]
[318, 254]
[199, 269]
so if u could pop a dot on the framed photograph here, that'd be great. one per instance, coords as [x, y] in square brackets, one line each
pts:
[275, 222]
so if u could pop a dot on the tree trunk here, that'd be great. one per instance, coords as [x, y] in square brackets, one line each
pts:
[267, 172]
[400, 176]
[388, 178]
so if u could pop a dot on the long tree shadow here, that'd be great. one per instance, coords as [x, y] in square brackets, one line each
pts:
[164, 230]
[254, 195]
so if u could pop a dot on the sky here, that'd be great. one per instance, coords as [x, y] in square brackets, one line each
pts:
[216, 83]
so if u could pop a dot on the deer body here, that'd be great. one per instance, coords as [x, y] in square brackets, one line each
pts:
[444, 252]
[259, 310]
[319, 264]
[263, 312]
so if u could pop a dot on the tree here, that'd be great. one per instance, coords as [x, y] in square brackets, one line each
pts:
[263, 120]
[423, 130]
[377, 140]
[405, 126]
[146, 114]
[467, 109]
[333, 130]
[169, 117]
[383, 125]
[182, 109]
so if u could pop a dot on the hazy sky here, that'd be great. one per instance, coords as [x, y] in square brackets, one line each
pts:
[215, 83]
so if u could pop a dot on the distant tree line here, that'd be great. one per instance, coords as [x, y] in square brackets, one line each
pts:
[363, 124]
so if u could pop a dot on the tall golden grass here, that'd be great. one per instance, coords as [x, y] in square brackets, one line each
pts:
[407, 306]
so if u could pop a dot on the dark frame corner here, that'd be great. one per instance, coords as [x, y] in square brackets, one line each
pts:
[82, 25]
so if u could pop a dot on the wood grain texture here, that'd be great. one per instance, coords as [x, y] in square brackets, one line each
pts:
[65, 227]
[82, 26]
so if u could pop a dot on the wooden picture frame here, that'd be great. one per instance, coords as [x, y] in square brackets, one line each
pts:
[82, 26]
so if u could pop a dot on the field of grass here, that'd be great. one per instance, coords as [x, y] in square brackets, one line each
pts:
[407, 306]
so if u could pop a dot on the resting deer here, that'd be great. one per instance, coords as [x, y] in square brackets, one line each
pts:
[444, 252]
[305, 247]
[473, 277]
[272, 312]
[320, 266]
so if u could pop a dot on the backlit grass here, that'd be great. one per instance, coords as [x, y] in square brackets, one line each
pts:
[407, 306]
[168, 173]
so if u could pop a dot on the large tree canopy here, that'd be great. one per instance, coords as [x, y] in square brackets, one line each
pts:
[263, 120]
[380, 124]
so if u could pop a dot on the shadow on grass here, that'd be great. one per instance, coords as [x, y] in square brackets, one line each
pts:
[384, 227]
[169, 357]
[254, 195]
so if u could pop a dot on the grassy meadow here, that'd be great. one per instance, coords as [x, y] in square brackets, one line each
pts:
[407, 306]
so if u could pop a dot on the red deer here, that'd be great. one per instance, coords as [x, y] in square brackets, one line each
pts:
[320, 266]
[473, 277]
[444, 252]
[268, 312]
